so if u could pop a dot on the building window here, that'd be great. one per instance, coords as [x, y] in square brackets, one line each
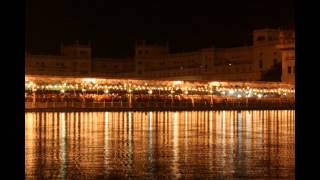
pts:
[270, 38]
[261, 38]
[274, 62]
[83, 53]
[260, 54]
[260, 64]
[289, 69]
[139, 52]
[146, 52]
[83, 64]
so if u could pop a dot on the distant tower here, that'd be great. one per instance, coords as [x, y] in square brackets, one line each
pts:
[265, 36]
[144, 53]
[76, 50]
[144, 50]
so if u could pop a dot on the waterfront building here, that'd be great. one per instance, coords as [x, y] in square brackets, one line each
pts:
[74, 60]
[287, 46]
[154, 61]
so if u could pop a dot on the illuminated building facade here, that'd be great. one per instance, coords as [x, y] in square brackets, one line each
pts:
[287, 47]
[74, 60]
[150, 61]
[245, 63]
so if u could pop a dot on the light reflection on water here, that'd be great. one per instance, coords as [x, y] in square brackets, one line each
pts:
[187, 144]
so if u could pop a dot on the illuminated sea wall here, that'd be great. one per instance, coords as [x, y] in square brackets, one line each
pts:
[73, 94]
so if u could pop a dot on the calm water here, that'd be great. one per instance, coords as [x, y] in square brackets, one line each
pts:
[160, 145]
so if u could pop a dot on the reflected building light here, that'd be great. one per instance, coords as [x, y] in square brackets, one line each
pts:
[175, 143]
[130, 153]
[223, 137]
[150, 157]
[231, 120]
[63, 146]
[106, 143]
[248, 126]
[186, 136]
[150, 121]
[239, 134]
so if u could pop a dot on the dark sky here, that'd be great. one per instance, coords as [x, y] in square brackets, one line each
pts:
[113, 26]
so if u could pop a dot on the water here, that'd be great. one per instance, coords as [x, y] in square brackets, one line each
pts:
[160, 145]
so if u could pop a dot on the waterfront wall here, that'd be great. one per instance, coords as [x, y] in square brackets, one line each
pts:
[158, 106]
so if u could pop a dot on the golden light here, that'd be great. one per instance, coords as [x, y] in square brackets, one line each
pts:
[150, 91]
[177, 82]
[93, 80]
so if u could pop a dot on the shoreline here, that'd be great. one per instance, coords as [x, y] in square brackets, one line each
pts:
[226, 106]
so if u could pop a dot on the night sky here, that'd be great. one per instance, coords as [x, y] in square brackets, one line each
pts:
[113, 26]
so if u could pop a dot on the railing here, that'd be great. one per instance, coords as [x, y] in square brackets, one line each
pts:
[162, 105]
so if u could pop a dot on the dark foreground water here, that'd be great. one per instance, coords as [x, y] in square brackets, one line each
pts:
[160, 145]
